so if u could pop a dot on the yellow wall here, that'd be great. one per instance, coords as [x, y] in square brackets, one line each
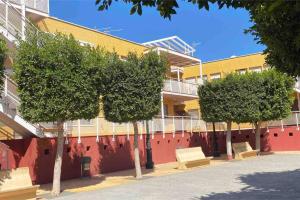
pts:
[110, 43]
[224, 67]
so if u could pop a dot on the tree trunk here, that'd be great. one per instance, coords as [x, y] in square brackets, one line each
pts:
[257, 135]
[228, 141]
[137, 163]
[216, 152]
[149, 163]
[58, 160]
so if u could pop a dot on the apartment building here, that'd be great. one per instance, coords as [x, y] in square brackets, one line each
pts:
[15, 17]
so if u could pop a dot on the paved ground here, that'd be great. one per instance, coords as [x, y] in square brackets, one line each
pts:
[275, 177]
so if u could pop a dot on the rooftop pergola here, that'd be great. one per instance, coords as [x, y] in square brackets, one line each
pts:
[173, 43]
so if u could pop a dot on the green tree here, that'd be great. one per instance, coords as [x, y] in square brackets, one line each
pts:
[273, 93]
[278, 27]
[55, 77]
[3, 55]
[218, 103]
[276, 24]
[132, 90]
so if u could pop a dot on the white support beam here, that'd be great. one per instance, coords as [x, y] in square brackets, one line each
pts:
[162, 114]
[79, 131]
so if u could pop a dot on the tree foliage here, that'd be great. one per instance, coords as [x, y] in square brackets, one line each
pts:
[132, 88]
[3, 51]
[250, 97]
[228, 99]
[276, 24]
[55, 77]
[278, 27]
[168, 8]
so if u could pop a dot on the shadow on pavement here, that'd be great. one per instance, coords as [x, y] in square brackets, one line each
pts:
[269, 185]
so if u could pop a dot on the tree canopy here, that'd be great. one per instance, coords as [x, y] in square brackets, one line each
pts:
[276, 24]
[3, 51]
[250, 97]
[132, 88]
[168, 8]
[278, 27]
[55, 77]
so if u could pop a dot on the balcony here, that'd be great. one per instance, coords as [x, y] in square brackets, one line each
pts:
[33, 5]
[180, 89]
[100, 127]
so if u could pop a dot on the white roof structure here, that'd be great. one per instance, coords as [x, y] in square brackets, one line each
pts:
[173, 43]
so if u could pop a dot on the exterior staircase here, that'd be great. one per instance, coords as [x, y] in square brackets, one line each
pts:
[10, 116]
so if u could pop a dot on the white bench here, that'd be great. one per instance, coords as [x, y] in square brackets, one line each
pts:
[191, 157]
[16, 184]
[243, 150]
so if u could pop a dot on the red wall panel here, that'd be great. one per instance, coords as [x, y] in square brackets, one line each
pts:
[110, 154]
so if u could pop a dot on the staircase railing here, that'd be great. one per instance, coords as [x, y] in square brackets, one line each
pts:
[13, 21]
[10, 94]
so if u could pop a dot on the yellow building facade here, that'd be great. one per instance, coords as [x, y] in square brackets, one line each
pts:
[219, 69]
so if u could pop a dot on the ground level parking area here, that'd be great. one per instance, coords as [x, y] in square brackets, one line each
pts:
[265, 177]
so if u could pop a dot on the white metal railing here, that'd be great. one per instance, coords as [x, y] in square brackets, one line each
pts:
[13, 22]
[180, 87]
[100, 126]
[297, 84]
[10, 94]
[39, 5]
[293, 119]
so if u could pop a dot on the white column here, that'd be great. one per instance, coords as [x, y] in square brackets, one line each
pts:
[65, 132]
[141, 130]
[128, 138]
[174, 127]
[152, 128]
[5, 86]
[182, 127]
[282, 129]
[162, 114]
[23, 24]
[191, 125]
[79, 132]
[298, 99]
[113, 136]
[97, 129]
[297, 121]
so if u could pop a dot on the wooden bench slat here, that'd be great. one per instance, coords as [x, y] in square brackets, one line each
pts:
[16, 185]
[243, 150]
[190, 157]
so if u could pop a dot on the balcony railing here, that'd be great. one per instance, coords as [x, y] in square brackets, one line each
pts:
[39, 5]
[293, 119]
[99, 126]
[13, 23]
[180, 87]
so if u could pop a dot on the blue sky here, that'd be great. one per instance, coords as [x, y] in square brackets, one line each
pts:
[217, 33]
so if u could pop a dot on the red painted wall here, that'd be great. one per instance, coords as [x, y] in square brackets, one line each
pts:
[109, 155]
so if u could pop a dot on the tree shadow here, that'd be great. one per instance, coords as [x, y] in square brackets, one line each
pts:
[266, 185]
[117, 156]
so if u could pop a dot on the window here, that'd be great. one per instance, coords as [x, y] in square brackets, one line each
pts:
[215, 76]
[204, 78]
[166, 110]
[84, 43]
[190, 80]
[194, 113]
[83, 122]
[241, 71]
[255, 69]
